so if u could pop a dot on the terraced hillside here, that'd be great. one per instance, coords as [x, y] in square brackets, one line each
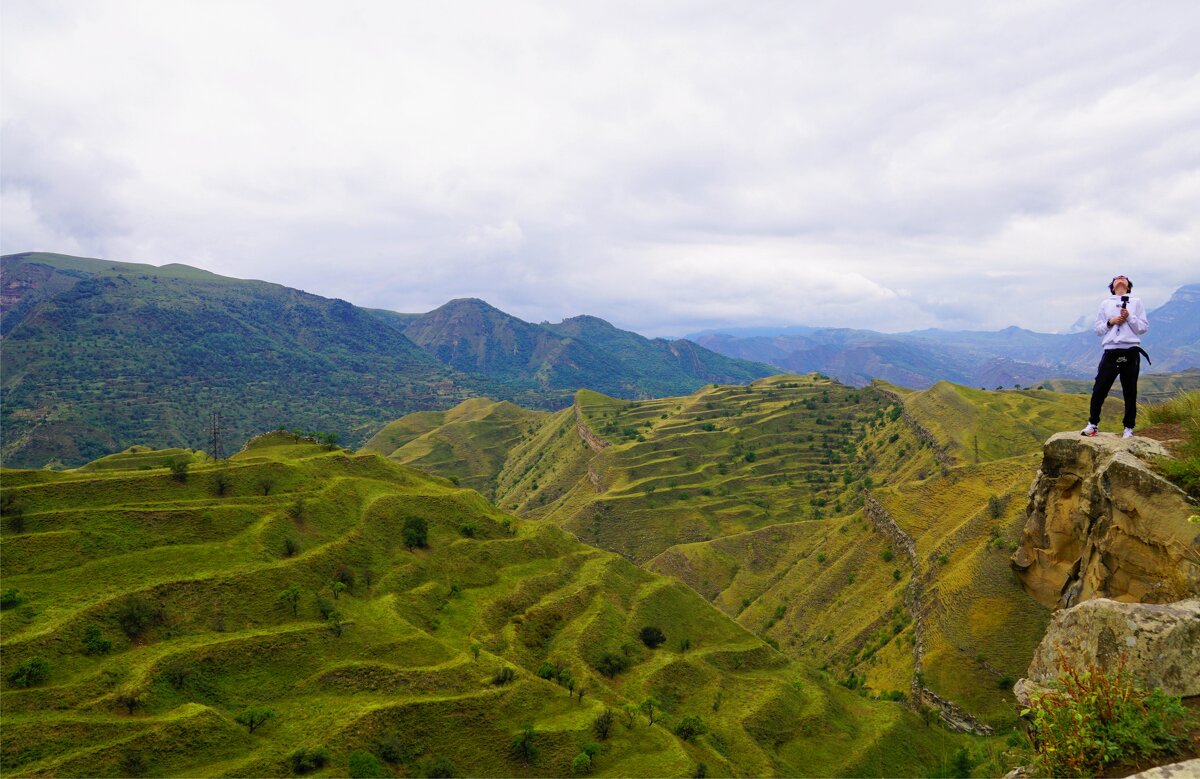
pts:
[637, 477]
[155, 614]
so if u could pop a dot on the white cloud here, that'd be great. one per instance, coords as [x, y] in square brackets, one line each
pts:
[666, 166]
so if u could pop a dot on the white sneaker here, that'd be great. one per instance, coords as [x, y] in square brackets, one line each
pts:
[1128, 433]
[1089, 430]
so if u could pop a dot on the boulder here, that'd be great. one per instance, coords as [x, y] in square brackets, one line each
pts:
[1159, 644]
[1102, 524]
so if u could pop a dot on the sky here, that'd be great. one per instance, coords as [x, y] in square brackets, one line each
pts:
[669, 167]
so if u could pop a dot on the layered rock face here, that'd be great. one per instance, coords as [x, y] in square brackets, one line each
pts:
[1102, 524]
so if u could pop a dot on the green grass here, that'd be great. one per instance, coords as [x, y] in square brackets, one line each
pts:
[207, 555]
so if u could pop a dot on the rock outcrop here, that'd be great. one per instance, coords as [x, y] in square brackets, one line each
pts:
[1102, 524]
[1158, 643]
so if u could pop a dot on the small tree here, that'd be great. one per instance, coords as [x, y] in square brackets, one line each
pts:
[254, 717]
[652, 636]
[416, 532]
[476, 648]
[179, 469]
[337, 587]
[602, 724]
[648, 706]
[630, 712]
[290, 546]
[291, 596]
[582, 764]
[221, 483]
[130, 699]
[522, 745]
[995, 507]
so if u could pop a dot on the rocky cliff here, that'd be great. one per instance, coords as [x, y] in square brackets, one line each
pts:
[1102, 524]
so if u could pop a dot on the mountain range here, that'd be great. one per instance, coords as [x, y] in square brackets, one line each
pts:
[100, 355]
[919, 359]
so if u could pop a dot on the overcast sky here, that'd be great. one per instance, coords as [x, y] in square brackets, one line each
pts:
[669, 167]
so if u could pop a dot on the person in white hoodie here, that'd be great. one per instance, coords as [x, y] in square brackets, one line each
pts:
[1120, 323]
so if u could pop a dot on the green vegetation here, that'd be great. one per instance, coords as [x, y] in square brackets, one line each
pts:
[1182, 410]
[211, 672]
[1090, 720]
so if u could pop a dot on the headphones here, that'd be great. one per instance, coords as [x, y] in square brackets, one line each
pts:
[1114, 280]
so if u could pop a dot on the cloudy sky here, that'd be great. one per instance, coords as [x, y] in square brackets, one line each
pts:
[667, 166]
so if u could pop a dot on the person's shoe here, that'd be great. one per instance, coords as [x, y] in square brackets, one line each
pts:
[1090, 430]
[1128, 433]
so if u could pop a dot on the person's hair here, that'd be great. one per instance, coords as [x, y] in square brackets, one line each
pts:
[1113, 283]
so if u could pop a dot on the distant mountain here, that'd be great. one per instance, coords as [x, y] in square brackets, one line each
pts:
[920, 358]
[100, 355]
[471, 336]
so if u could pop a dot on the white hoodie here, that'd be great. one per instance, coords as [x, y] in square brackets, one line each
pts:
[1120, 336]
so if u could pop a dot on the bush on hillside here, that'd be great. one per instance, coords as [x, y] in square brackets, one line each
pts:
[1184, 468]
[652, 637]
[690, 727]
[582, 764]
[304, 761]
[522, 745]
[364, 765]
[10, 598]
[611, 664]
[436, 768]
[602, 724]
[94, 642]
[31, 672]
[136, 615]
[179, 470]
[1091, 719]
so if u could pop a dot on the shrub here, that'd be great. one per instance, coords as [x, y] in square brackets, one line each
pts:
[254, 717]
[468, 529]
[1090, 719]
[416, 532]
[896, 574]
[504, 676]
[612, 664]
[178, 671]
[136, 615]
[94, 642]
[290, 546]
[690, 727]
[652, 636]
[887, 555]
[995, 507]
[31, 672]
[305, 761]
[437, 768]
[179, 470]
[364, 765]
[221, 483]
[582, 764]
[10, 598]
[602, 724]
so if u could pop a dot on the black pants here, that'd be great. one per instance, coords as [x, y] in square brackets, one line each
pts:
[1117, 362]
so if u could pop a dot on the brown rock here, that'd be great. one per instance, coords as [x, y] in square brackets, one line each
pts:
[1102, 524]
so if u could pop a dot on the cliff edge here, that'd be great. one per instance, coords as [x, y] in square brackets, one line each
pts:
[1102, 524]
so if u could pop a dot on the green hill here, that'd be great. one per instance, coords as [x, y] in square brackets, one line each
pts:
[147, 618]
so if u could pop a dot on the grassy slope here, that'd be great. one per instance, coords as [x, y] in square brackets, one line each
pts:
[212, 567]
[469, 442]
[1152, 387]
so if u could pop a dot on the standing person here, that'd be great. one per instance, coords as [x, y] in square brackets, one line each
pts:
[1120, 322]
